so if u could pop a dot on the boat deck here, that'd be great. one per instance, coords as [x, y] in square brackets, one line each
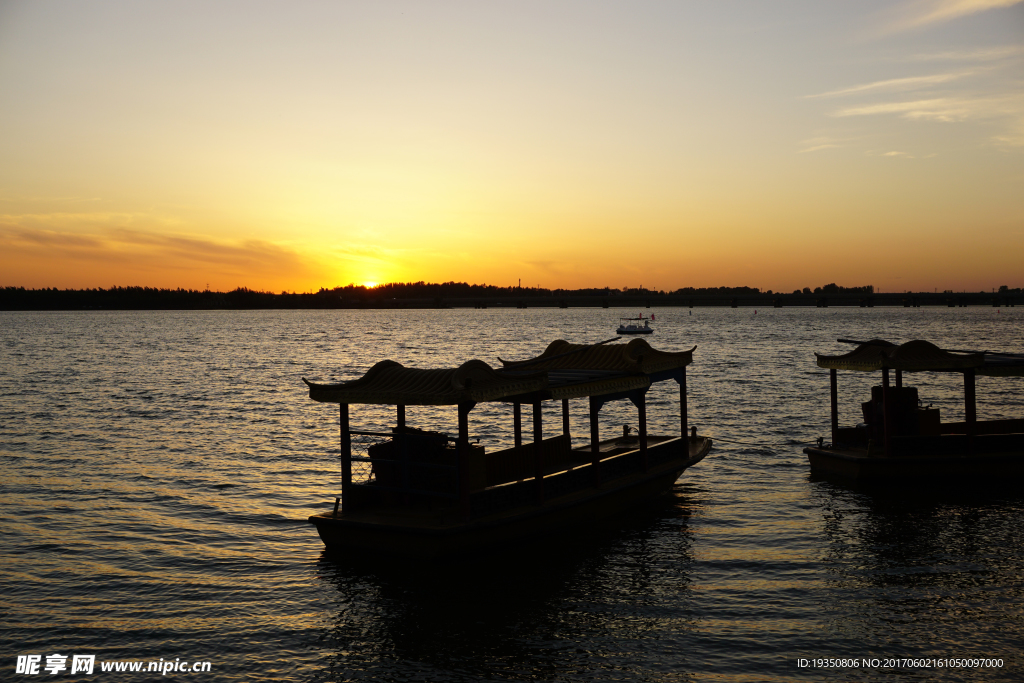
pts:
[420, 528]
[851, 462]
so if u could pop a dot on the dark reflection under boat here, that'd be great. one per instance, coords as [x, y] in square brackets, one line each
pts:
[926, 571]
[556, 610]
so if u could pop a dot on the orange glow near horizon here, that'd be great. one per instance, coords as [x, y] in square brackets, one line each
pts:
[874, 148]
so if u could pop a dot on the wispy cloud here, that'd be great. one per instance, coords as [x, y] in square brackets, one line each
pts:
[984, 90]
[53, 219]
[948, 109]
[50, 239]
[819, 143]
[818, 148]
[247, 254]
[920, 13]
[1013, 136]
[992, 54]
[143, 249]
[24, 199]
[940, 109]
[895, 84]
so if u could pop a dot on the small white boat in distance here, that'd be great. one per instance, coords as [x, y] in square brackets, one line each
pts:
[633, 326]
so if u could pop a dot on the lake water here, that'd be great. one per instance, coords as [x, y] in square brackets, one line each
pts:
[158, 469]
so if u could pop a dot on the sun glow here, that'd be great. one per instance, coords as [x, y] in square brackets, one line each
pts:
[370, 285]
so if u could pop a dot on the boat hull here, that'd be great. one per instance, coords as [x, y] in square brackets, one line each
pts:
[376, 532]
[856, 464]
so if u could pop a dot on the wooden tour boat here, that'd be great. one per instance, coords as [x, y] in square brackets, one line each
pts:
[901, 439]
[424, 493]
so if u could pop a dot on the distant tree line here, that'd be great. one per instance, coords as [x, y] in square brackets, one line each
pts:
[149, 298]
[462, 290]
[458, 290]
[720, 290]
[393, 293]
[833, 288]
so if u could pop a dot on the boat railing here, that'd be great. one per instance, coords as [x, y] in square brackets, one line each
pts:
[520, 462]
[1011, 426]
[404, 468]
[612, 465]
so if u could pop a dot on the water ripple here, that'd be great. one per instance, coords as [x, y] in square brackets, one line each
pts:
[159, 467]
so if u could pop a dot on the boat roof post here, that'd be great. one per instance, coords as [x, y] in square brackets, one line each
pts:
[595, 438]
[683, 418]
[462, 449]
[834, 392]
[970, 408]
[538, 461]
[886, 411]
[565, 416]
[517, 423]
[345, 455]
[639, 399]
[401, 415]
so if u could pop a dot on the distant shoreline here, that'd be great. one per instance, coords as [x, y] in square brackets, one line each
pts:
[12, 299]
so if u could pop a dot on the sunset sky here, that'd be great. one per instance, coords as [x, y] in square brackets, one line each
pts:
[298, 145]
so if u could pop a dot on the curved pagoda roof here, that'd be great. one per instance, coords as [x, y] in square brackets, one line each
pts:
[577, 370]
[913, 356]
[564, 370]
[636, 356]
[391, 383]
